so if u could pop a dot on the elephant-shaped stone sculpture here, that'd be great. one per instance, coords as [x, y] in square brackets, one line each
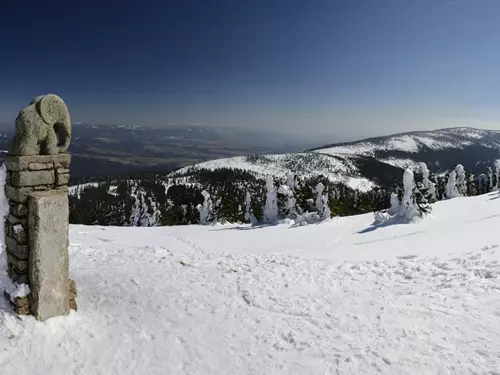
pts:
[42, 128]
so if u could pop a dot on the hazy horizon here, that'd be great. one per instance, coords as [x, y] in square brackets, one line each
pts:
[345, 70]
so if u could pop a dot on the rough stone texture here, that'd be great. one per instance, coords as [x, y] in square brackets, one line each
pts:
[73, 305]
[72, 295]
[62, 179]
[20, 301]
[49, 263]
[19, 251]
[42, 176]
[42, 128]
[32, 178]
[18, 195]
[14, 220]
[36, 166]
[25, 310]
[20, 278]
[19, 210]
[23, 163]
[20, 265]
[62, 170]
[19, 234]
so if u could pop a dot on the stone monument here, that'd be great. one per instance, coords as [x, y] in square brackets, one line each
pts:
[36, 227]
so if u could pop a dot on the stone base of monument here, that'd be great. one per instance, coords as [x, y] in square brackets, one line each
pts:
[36, 234]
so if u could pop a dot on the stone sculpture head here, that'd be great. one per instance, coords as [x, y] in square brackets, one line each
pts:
[42, 128]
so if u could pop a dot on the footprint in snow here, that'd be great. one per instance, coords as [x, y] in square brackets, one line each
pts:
[489, 247]
[408, 256]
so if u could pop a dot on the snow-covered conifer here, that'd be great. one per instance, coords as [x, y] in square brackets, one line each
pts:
[413, 203]
[319, 197]
[289, 210]
[290, 180]
[428, 185]
[408, 204]
[271, 207]
[249, 216]
[206, 209]
[395, 204]
[483, 184]
[471, 186]
[451, 186]
[491, 181]
[497, 174]
[322, 201]
[461, 182]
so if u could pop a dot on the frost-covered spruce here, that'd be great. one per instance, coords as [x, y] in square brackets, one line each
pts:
[408, 204]
[289, 210]
[144, 214]
[322, 202]
[428, 185]
[290, 181]
[491, 181]
[461, 181]
[249, 216]
[471, 186]
[483, 184]
[413, 203]
[271, 207]
[206, 209]
[497, 174]
[395, 204]
[451, 186]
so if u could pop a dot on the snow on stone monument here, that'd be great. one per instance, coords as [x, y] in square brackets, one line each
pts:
[36, 227]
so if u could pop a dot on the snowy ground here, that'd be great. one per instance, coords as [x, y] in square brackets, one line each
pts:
[339, 297]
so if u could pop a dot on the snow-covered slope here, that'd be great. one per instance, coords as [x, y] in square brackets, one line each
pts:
[361, 164]
[453, 138]
[337, 169]
[340, 297]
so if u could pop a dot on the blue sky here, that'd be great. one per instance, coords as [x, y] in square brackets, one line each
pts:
[349, 68]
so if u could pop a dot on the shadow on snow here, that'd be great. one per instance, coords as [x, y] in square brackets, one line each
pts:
[389, 222]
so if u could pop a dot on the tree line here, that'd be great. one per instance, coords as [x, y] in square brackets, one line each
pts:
[234, 195]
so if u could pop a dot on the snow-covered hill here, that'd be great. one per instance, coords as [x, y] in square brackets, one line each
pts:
[375, 161]
[307, 164]
[340, 297]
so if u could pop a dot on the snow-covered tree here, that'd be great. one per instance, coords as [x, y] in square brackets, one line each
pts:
[483, 184]
[395, 204]
[408, 205]
[491, 180]
[322, 201]
[290, 181]
[413, 203]
[288, 210]
[152, 217]
[461, 182]
[497, 174]
[451, 186]
[428, 185]
[471, 186]
[206, 209]
[271, 207]
[249, 216]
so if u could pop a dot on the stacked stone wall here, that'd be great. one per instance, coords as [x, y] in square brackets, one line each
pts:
[26, 180]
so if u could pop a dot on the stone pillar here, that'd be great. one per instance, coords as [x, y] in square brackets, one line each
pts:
[36, 233]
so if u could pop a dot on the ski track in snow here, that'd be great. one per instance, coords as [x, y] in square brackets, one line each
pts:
[165, 301]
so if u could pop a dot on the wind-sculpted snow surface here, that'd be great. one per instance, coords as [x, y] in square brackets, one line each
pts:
[340, 297]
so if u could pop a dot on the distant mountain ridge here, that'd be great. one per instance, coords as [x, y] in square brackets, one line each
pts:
[378, 160]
